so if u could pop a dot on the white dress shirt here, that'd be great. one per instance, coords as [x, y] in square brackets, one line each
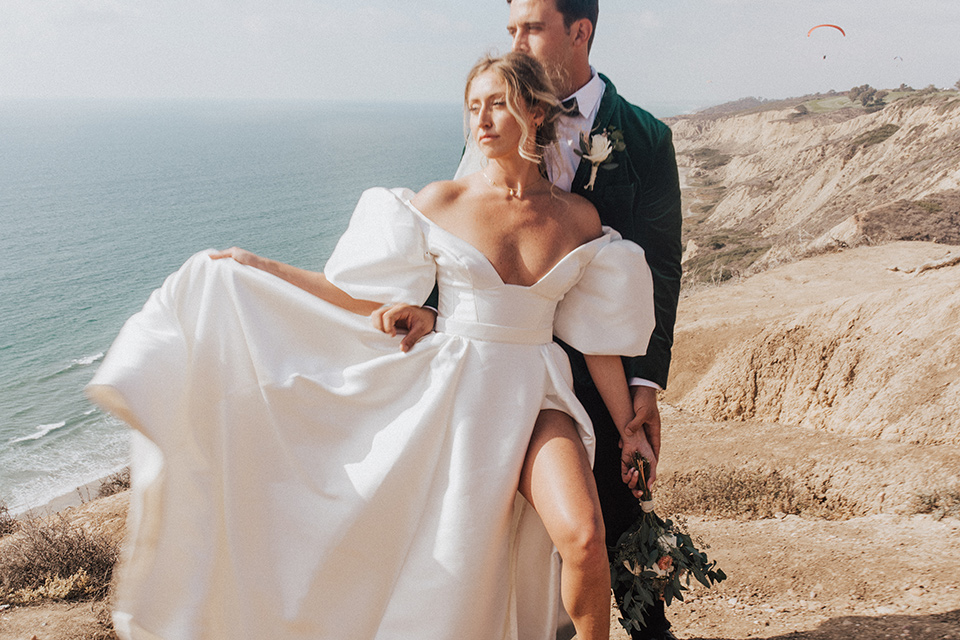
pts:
[562, 161]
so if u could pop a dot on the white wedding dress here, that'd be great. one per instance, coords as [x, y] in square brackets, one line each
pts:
[297, 477]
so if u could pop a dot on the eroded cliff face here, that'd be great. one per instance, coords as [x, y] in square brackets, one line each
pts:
[800, 179]
[816, 333]
[842, 342]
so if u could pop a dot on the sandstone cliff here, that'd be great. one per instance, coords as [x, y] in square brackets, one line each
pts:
[839, 342]
[800, 328]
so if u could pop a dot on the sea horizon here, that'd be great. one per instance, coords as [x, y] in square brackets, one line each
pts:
[659, 108]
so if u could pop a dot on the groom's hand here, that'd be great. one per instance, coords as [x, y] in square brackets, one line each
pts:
[641, 435]
[632, 441]
[415, 322]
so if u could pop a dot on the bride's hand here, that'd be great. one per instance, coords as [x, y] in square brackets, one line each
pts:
[240, 255]
[416, 322]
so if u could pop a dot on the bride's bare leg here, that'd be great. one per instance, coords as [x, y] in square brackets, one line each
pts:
[557, 480]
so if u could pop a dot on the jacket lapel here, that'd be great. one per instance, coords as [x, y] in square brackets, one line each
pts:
[600, 122]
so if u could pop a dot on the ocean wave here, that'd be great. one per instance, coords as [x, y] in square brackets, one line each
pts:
[41, 431]
[82, 362]
[33, 477]
[74, 364]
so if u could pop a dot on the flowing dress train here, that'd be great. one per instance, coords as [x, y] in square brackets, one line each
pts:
[297, 477]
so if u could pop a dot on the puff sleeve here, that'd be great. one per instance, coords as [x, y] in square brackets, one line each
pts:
[610, 309]
[383, 255]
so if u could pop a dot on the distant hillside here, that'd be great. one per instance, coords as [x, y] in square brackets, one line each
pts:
[784, 179]
[753, 105]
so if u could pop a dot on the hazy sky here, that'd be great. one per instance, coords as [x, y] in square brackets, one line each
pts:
[691, 52]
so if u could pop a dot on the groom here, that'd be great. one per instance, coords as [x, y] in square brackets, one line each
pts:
[640, 198]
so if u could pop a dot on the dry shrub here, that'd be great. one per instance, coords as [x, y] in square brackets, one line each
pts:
[116, 483]
[709, 159]
[104, 622]
[8, 524]
[875, 136]
[941, 504]
[51, 559]
[935, 218]
[738, 493]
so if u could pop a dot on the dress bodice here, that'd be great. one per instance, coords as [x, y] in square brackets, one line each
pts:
[597, 298]
[474, 301]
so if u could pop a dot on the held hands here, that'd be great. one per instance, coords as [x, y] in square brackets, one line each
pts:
[416, 322]
[642, 435]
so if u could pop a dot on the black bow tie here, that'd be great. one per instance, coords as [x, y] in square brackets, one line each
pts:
[571, 108]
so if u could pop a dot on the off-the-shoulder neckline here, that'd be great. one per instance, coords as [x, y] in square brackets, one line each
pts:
[604, 237]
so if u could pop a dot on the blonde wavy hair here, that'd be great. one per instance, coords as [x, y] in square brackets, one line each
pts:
[528, 88]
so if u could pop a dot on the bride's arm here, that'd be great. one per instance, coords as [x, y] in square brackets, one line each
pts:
[310, 281]
[415, 322]
[611, 381]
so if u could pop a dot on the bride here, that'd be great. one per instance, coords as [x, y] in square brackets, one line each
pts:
[297, 475]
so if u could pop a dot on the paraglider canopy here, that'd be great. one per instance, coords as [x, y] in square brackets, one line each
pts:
[826, 25]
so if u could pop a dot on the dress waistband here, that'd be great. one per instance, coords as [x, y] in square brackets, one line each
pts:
[494, 333]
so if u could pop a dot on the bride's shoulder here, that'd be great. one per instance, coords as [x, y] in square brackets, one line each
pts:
[582, 212]
[438, 196]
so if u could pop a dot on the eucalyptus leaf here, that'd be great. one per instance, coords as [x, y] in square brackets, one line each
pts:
[640, 547]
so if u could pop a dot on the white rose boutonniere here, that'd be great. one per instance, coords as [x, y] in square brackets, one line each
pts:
[598, 151]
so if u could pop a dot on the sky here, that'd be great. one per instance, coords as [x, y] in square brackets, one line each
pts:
[664, 52]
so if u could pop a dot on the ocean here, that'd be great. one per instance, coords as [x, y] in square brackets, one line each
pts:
[100, 201]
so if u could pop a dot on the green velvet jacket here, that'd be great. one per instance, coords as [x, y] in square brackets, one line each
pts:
[640, 198]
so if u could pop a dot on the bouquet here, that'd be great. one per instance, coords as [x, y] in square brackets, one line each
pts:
[655, 559]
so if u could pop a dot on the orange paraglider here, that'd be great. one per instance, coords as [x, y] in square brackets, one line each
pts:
[826, 25]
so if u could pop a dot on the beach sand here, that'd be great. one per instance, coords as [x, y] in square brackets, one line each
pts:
[80, 495]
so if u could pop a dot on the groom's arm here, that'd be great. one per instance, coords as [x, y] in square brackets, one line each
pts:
[658, 218]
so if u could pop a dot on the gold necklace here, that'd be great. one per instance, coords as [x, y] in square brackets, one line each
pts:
[512, 192]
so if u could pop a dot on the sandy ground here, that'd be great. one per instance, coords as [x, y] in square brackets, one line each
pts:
[879, 576]
[874, 577]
